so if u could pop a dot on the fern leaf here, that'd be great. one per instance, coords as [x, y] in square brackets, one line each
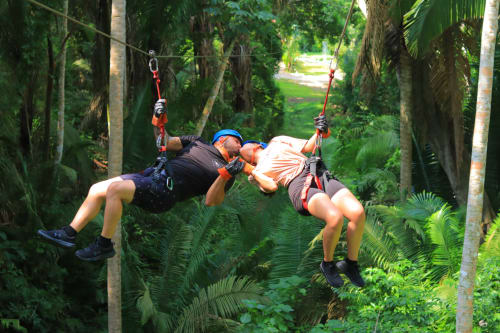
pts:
[222, 299]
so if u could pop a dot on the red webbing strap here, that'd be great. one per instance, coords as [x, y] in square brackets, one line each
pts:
[307, 186]
[157, 77]
[305, 190]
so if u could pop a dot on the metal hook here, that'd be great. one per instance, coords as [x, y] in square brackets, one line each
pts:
[152, 54]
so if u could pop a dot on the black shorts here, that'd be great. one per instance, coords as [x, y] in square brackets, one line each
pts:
[149, 197]
[330, 187]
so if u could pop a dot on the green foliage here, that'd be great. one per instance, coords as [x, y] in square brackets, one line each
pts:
[419, 230]
[428, 19]
[275, 315]
[398, 301]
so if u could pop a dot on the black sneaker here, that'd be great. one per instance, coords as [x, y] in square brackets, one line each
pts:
[331, 274]
[58, 237]
[351, 270]
[95, 252]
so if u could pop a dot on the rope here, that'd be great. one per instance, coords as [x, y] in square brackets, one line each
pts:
[58, 13]
[319, 138]
[336, 54]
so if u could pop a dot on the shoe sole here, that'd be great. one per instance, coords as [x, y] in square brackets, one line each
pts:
[353, 282]
[98, 258]
[324, 274]
[55, 241]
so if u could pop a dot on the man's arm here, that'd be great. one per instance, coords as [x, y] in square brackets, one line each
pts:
[174, 143]
[217, 192]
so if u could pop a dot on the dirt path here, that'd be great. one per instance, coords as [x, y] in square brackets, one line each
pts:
[314, 72]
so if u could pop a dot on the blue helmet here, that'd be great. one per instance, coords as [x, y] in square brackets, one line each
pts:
[225, 132]
[262, 144]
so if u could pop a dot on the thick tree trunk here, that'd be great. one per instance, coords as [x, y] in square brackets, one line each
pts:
[61, 90]
[115, 156]
[202, 30]
[405, 123]
[214, 92]
[48, 99]
[242, 83]
[477, 170]
[95, 119]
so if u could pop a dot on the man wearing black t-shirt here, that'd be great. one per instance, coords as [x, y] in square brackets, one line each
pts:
[198, 168]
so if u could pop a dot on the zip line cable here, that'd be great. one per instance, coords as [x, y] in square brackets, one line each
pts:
[58, 13]
[336, 54]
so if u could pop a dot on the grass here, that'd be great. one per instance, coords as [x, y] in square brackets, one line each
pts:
[302, 105]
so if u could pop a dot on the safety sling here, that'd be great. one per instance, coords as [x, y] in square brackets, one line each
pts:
[162, 171]
[315, 160]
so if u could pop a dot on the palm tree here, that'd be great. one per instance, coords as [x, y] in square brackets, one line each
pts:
[62, 76]
[441, 78]
[477, 169]
[115, 156]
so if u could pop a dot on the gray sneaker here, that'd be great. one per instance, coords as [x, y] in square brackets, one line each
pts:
[331, 274]
[58, 237]
[96, 252]
[352, 272]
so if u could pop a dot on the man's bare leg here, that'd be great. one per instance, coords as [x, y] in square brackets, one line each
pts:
[92, 204]
[118, 192]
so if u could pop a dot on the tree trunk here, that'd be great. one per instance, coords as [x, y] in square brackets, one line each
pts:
[48, 99]
[115, 155]
[477, 170]
[201, 30]
[95, 119]
[62, 80]
[242, 69]
[215, 91]
[405, 123]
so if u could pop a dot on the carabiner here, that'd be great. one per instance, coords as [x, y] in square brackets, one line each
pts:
[170, 183]
[159, 140]
[153, 59]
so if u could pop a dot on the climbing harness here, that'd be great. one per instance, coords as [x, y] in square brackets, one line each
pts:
[162, 174]
[315, 162]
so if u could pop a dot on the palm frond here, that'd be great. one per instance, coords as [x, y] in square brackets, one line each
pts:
[444, 233]
[222, 299]
[292, 237]
[161, 321]
[376, 149]
[428, 19]
[398, 9]
[377, 242]
[175, 252]
[422, 205]
[203, 223]
[491, 246]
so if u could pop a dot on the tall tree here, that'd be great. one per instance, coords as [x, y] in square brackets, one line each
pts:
[215, 90]
[62, 80]
[116, 89]
[405, 80]
[477, 169]
[436, 33]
